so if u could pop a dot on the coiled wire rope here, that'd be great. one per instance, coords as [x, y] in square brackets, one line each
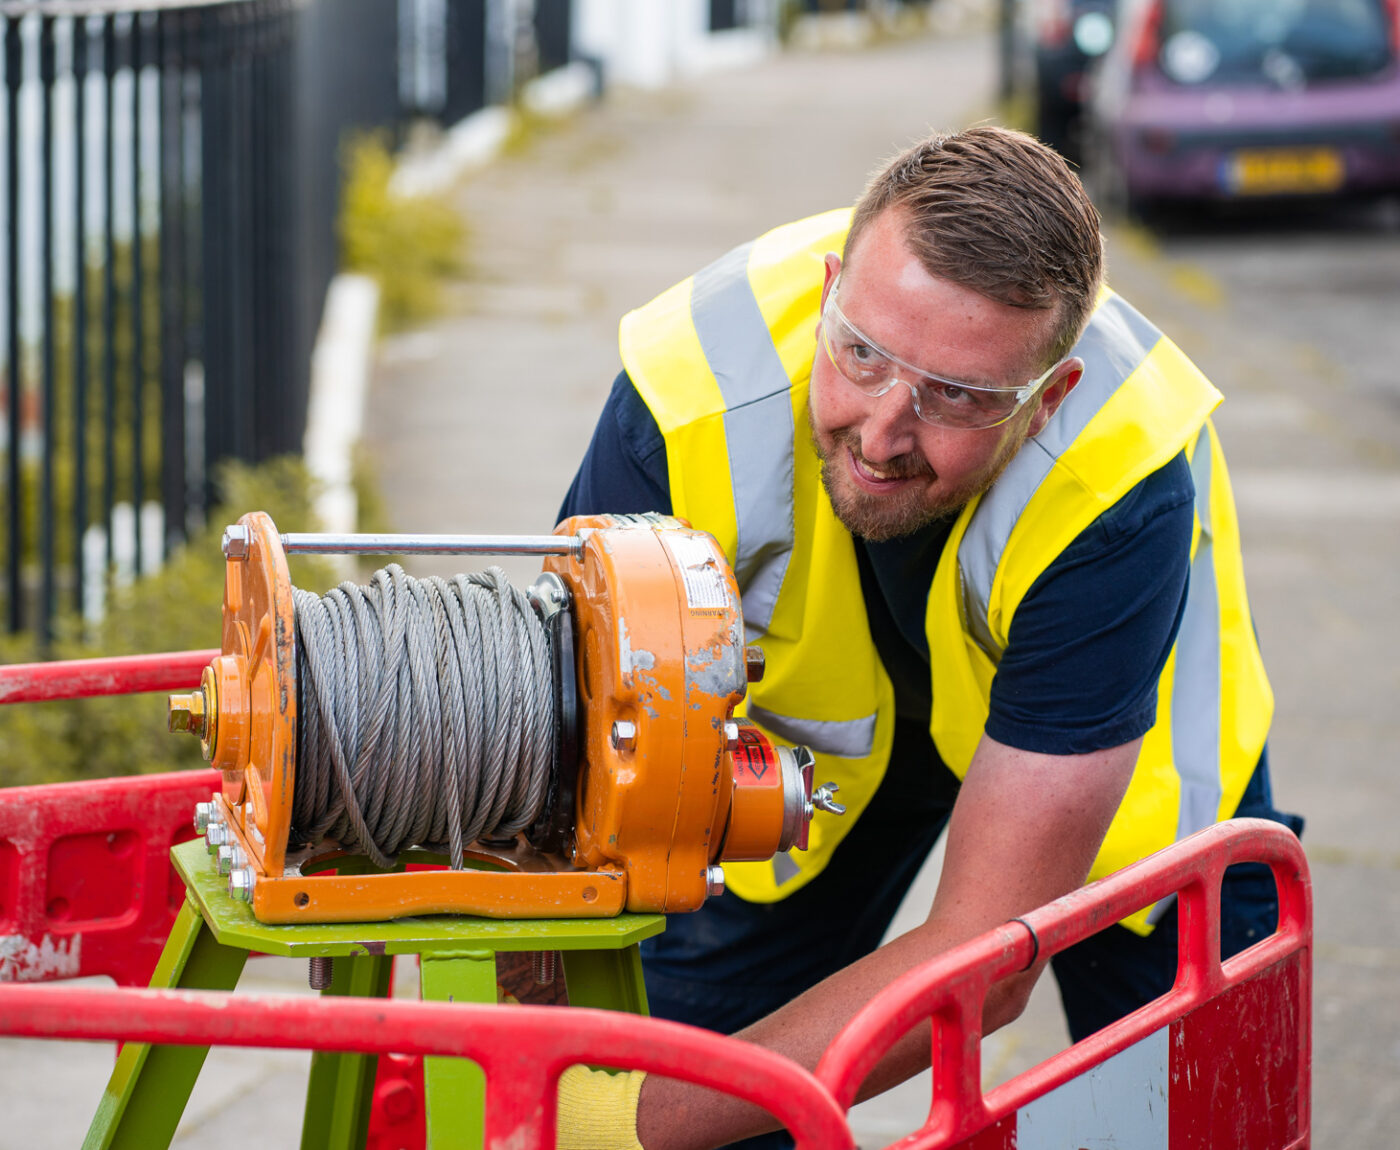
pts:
[425, 713]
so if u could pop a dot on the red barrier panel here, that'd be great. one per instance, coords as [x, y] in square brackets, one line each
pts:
[1227, 1049]
[522, 1049]
[84, 678]
[86, 885]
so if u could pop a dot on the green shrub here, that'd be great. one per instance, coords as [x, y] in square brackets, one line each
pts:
[175, 610]
[408, 244]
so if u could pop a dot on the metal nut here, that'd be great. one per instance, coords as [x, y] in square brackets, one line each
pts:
[187, 713]
[240, 884]
[714, 881]
[754, 663]
[236, 541]
[624, 735]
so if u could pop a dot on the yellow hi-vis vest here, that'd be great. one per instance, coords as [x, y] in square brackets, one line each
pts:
[724, 360]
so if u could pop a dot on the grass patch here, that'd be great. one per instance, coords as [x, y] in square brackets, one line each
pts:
[409, 244]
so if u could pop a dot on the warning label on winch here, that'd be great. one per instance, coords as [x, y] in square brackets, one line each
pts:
[705, 585]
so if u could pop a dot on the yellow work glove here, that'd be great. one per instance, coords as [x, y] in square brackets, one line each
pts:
[598, 1110]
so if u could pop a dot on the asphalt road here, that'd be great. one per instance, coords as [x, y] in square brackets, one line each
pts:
[478, 419]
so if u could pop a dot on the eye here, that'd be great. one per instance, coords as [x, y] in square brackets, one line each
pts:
[861, 361]
[948, 393]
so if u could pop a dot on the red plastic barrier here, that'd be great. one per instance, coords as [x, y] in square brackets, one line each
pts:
[1229, 1045]
[84, 678]
[86, 885]
[522, 1049]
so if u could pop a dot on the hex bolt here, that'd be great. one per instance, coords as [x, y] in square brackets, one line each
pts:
[624, 735]
[545, 965]
[714, 881]
[187, 713]
[754, 663]
[319, 972]
[731, 735]
[216, 835]
[240, 884]
[204, 816]
[236, 541]
[225, 859]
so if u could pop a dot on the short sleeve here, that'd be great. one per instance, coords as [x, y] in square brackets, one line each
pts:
[624, 470]
[1089, 641]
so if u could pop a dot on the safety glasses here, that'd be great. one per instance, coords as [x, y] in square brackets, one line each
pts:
[872, 370]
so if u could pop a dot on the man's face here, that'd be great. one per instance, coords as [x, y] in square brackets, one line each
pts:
[887, 472]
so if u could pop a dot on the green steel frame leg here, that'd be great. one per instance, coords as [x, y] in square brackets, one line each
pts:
[150, 1086]
[455, 1088]
[340, 1091]
[608, 979]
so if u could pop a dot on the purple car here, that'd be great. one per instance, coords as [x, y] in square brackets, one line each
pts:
[1238, 99]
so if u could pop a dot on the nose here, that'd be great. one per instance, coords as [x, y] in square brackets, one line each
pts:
[888, 431]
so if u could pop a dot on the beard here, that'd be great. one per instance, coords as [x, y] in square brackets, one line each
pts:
[914, 506]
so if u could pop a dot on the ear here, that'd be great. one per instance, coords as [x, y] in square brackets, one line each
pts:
[1062, 381]
[831, 268]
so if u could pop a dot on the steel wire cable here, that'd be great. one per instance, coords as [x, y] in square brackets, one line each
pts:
[425, 713]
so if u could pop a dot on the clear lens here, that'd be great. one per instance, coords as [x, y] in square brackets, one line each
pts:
[873, 371]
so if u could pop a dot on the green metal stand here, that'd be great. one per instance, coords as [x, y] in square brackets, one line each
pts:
[211, 941]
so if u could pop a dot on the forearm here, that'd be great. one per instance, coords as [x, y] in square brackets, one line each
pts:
[677, 1116]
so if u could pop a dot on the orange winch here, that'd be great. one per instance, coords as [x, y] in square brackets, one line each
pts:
[650, 781]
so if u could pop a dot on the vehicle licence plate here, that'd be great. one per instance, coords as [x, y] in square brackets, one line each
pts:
[1283, 171]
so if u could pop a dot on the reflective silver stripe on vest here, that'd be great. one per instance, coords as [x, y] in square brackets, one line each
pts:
[1113, 346]
[758, 428]
[784, 869]
[1196, 687]
[845, 738]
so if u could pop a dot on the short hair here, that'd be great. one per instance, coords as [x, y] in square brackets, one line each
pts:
[998, 212]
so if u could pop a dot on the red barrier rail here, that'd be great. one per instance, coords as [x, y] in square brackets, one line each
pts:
[1253, 1094]
[522, 1050]
[84, 678]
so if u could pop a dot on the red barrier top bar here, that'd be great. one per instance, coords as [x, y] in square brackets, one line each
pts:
[85, 678]
[522, 1049]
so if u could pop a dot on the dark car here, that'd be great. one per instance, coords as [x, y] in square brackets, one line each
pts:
[1058, 40]
[1204, 100]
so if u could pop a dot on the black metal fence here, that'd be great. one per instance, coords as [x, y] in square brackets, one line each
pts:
[167, 213]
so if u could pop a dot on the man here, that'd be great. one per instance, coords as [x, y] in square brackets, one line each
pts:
[988, 546]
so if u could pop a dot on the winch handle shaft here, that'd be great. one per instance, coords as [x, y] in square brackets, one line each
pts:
[235, 544]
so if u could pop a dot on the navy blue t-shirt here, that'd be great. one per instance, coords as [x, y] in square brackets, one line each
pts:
[1087, 642]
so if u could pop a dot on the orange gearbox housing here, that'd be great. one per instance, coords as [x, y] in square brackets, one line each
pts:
[660, 641]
